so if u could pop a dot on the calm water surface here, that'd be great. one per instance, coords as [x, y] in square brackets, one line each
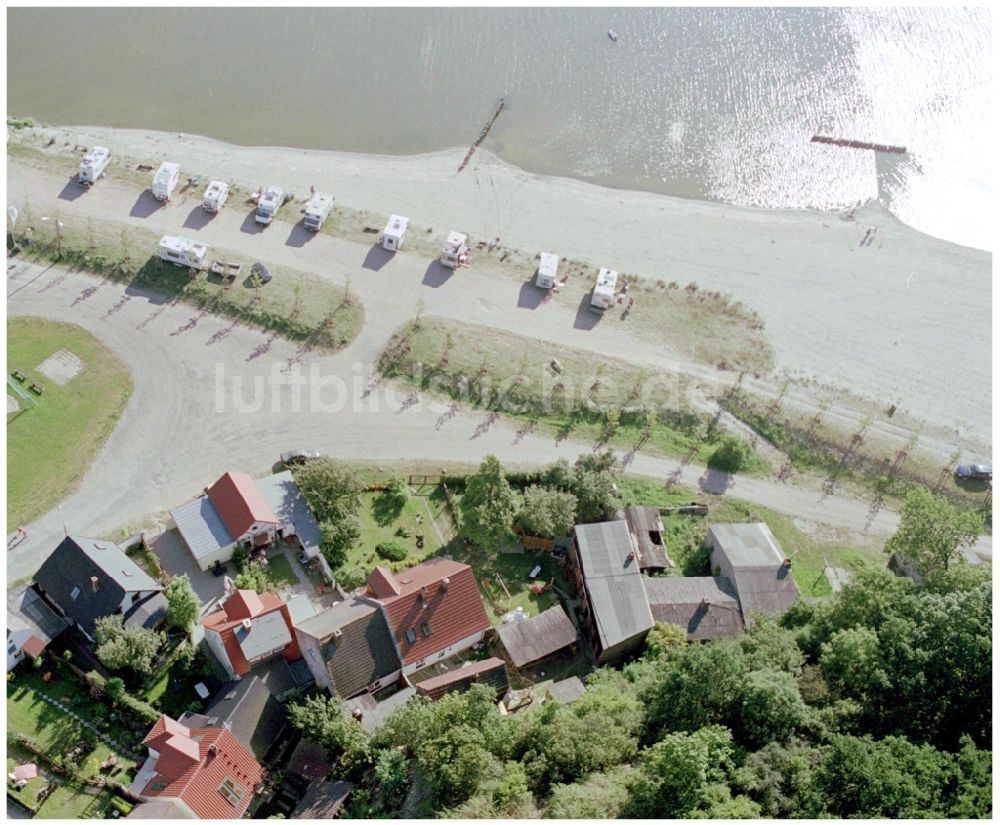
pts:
[708, 103]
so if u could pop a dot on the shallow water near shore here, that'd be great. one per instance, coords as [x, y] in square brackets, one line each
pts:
[705, 103]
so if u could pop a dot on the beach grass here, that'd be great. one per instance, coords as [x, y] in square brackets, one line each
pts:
[602, 400]
[51, 445]
[295, 305]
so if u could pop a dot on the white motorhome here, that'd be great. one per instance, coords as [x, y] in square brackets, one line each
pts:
[317, 209]
[215, 196]
[165, 180]
[455, 252]
[93, 165]
[548, 266]
[395, 230]
[268, 204]
[181, 251]
[604, 289]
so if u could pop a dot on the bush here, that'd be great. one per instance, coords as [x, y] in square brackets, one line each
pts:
[732, 455]
[391, 551]
[350, 579]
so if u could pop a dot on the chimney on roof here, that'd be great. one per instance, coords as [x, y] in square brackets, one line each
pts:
[358, 713]
[786, 563]
[94, 582]
[247, 624]
[630, 556]
[213, 749]
[423, 596]
[444, 584]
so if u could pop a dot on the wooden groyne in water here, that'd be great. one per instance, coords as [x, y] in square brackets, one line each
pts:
[482, 135]
[859, 144]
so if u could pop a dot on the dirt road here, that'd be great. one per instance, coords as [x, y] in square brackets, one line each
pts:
[192, 416]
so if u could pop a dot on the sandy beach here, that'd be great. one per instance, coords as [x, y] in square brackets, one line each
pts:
[867, 303]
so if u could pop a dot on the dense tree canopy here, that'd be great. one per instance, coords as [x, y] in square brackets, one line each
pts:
[121, 647]
[875, 702]
[183, 606]
[547, 512]
[932, 531]
[488, 507]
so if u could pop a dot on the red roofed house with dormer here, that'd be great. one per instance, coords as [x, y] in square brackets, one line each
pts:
[434, 610]
[250, 628]
[201, 771]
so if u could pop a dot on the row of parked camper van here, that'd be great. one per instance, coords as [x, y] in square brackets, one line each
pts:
[190, 253]
[166, 178]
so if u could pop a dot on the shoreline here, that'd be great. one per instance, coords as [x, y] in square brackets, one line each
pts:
[897, 326]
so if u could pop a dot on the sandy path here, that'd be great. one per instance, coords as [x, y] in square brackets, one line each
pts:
[905, 318]
[390, 293]
[176, 435]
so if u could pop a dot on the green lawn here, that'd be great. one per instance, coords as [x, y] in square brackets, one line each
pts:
[280, 570]
[50, 728]
[51, 445]
[379, 525]
[28, 795]
[71, 801]
[513, 570]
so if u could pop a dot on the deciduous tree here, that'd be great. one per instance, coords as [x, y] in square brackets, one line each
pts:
[183, 606]
[488, 507]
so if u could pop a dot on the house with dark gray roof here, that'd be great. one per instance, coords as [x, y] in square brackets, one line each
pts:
[249, 712]
[349, 647]
[535, 638]
[706, 607]
[613, 605]
[31, 625]
[86, 579]
[751, 558]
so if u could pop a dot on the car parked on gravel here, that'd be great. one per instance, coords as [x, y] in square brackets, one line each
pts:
[299, 456]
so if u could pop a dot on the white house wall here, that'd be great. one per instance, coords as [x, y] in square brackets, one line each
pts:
[451, 650]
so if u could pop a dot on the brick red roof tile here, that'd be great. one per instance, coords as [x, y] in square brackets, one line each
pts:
[239, 503]
[220, 757]
[452, 612]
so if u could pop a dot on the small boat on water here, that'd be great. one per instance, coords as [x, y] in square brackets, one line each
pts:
[613, 35]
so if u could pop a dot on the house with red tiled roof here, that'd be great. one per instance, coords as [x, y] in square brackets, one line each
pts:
[434, 610]
[250, 628]
[202, 771]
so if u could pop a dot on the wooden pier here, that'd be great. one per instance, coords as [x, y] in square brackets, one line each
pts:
[482, 135]
[859, 144]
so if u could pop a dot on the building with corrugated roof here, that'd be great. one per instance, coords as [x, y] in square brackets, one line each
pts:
[706, 607]
[751, 558]
[535, 638]
[491, 672]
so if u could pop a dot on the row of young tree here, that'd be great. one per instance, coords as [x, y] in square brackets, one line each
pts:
[875, 703]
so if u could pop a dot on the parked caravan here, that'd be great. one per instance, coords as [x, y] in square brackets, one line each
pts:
[165, 180]
[394, 232]
[455, 252]
[184, 252]
[268, 204]
[317, 209]
[93, 165]
[548, 266]
[604, 289]
[215, 196]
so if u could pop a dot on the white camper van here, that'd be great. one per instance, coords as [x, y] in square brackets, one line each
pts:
[395, 230]
[185, 252]
[93, 165]
[317, 209]
[165, 180]
[455, 252]
[548, 266]
[268, 204]
[215, 196]
[604, 289]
